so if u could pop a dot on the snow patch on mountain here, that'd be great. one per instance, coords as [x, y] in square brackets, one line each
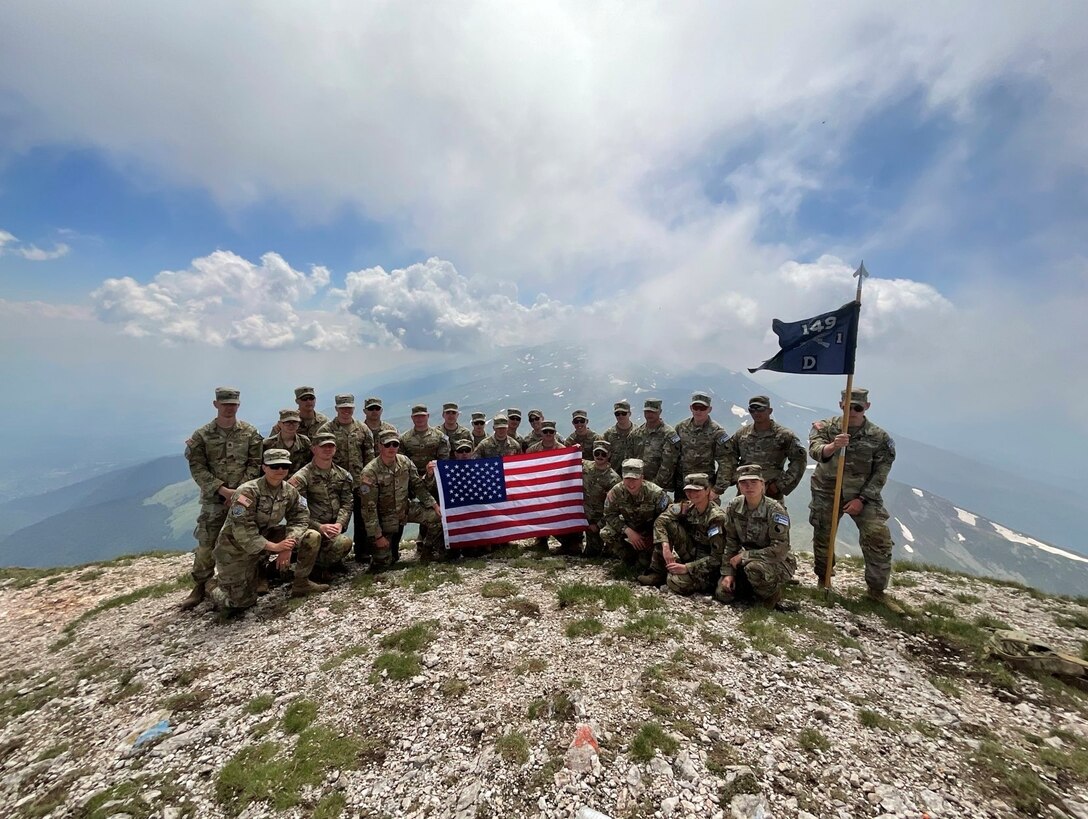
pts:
[918, 492]
[907, 533]
[740, 412]
[966, 517]
[1016, 537]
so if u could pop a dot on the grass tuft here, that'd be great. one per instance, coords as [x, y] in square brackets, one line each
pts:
[512, 747]
[414, 638]
[649, 739]
[397, 665]
[584, 628]
[498, 588]
[612, 596]
[299, 716]
[872, 719]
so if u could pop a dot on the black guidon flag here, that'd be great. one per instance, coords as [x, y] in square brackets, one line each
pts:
[821, 345]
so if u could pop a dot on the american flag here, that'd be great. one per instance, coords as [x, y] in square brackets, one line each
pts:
[495, 500]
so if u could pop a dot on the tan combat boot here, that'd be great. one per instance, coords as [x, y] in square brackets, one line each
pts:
[195, 598]
[306, 552]
[652, 578]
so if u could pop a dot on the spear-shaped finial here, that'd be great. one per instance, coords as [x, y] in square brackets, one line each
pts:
[861, 272]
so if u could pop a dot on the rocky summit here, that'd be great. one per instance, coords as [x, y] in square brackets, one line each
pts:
[522, 684]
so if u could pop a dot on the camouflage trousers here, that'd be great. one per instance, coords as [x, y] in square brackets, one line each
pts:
[330, 552]
[702, 574]
[873, 536]
[758, 578]
[208, 523]
[238, 570]
[428, 547]
[620, 547]
[363, 543]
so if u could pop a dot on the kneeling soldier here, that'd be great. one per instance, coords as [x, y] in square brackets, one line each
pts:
[252, 531]
[757, 560]
[630, 510]
[326, 489]
[689, 539]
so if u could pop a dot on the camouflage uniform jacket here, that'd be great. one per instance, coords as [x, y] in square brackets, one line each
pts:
[585, 441]
[385, 491]
[656, 447]
[354, 445]
[533, 437]
[423, 447]
[492, 447]
[299, 449]
[623, 444]
[700, 449]
[706, 536]
[383, 426]
[538, 446]
[478, 439]
[762, 533]
[622, 509]
[255, 508]
[770, 449]
[327, 493]
[459, 434]
[223, 457]
[522, 440]
[595, 484]
[869, 459]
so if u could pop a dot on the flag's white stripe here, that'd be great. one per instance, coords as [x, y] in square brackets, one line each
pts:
[518, 491]
[537, 474]
[571, 499]
[514, 532]
[574, 457]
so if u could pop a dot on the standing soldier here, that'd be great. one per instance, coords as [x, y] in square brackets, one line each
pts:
[513, 415]
[252, 531]
[689, 540]
[328, 491]
[354, 449]
[453, 431]
[621, 434]
[701, 445]
[386, 485]
[582, 436]
[499, 443]
[372, 412]
[423, 443]
[536, 418]
[289, 438]
[655, 443]
[310, 421]
[769, 444]
[598, 477]
[547, 438]
[223, 454]
[479, 431]
[870, 452]
[630, 509]
[757, 561]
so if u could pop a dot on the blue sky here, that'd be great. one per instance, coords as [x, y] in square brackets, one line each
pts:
[341, 193]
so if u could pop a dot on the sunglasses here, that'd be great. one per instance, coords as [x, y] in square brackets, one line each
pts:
[547, 432]
[620, 413]
[599, 454]
[699, 407]
[449, 412]
[857, 407]
[307, 398]
[579, 422]
[392, 445]
[373, 409]
[758, 409]
[279, 466]
[478, 423]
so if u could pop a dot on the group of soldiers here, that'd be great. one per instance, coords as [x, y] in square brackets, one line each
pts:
[652, 493]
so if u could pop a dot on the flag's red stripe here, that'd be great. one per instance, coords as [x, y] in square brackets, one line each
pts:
[549, 480]
[537, 522]
[483, 541]
[520, 511]
[557, 455]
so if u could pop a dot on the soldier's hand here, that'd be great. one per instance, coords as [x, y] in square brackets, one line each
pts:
[841, 440]
[636, 539]
[226, 493]
[773, 490]
[735, 560]
[329, 530]
[726, 584]
[283, 559]
[853, 507]
[430, 467]
[437, 510]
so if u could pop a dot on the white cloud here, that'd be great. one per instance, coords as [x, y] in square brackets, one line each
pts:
[32, 253]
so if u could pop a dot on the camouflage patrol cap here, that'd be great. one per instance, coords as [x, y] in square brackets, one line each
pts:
[290, 415]
[652, 404]
[536, 415]
[574, 416]
[449, 405]
[276, 457]
[700, 398]
[857, 396]
[372, 403]
[547, 426]
[759, 402]
[513, 412]
[420, 409]
[228, 395]
[500, 422]
[601, 446]
[305, 392]
[388, 435]
[631, 468]
[463, 446]
[345, 399]
[697, 480]
[478, 416]
[624, 406]
[324, 439]
[749, 472]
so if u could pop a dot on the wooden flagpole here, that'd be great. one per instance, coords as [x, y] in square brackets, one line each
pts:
[861, 274]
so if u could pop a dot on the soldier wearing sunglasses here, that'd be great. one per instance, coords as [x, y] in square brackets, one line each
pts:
[582, 436]
[770, 445]
[870, 452]
[620, 435]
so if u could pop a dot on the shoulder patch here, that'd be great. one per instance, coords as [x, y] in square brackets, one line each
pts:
[891, 444]
[237, 510]
[713, 530]
[364, 488]
[293, 481]
[675, 438]
[305, 504]
[724, 437]
[663, 502]
[243, 501]
[778, 517]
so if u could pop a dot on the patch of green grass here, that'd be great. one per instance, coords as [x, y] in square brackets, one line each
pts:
[1002, 771]
[259, 704]
[721, 757]
[345, 655]
[370, 585]
[127, 599]
[584, 628]
[653, 627]
[904, 582]
[1079, 619]
[188, 701]
[946, 685]
[53, 751]
[541, 563]
[938, 609]
[330, 806]
[534, 665]
[743, 783]
[423, 579]
[522, 607]
[612, 596]
[28, 577]
[269, 773]
[765, 633]
[990, 622]
[90, 575]
[127, 797]
[1071, 762]
[873, 719]
[513, 748]
[556, 706]
[299, 715]
[414, 638]
[711, 691]
[262, 728]
[397, 665]
[650, 738]
[813, 739]
[926, 729]
[968, 599]
[498, 588]
[453, 687]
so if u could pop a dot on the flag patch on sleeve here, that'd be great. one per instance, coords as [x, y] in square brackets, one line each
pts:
[782, 519]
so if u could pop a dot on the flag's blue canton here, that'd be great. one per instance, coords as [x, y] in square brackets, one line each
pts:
[470, 482]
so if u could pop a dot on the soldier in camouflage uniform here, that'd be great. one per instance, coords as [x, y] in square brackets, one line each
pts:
[288, 437]
[252, 531]
[870, 452]
[479, 431]
[655, 442]
[372, 412]
[598, 477]
[621, 434]
[387, 483]
[513, 415]
[423, 443]
[689, 540]
[536, 418]
[499, 443]
[582, 436]
[223, 454]
[630, 509]
[701, 445]
[757, 561]
[327, 490]
[547, 438]
[310, 420]
[453, 431]
[354, 449]
[769, 444]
